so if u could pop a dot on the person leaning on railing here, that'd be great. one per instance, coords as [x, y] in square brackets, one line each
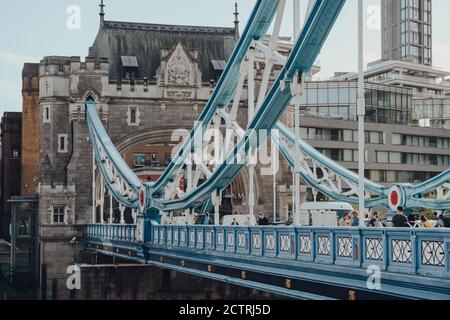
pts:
[262, 220]
[399, 220]
[355, 219]
[412, 220]
[346, 221]
[375, 222]
[444, 222]
[425, 222]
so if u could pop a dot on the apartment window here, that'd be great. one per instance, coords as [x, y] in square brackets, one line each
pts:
[304, 133]
[391, 176]
[46, 115]
[432, 142]
[383, 176]
[348, 155]
[443, 143]
[375, 175]
[62, 143]
[382, 157]
[443, 161]
[389, 157]
[396, 139]
[376, 137]
[355, 135]
[395, 157]
[348, 135]
[59, 215]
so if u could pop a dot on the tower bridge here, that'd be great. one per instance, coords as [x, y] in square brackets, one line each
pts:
[122, 142]
[300, 262]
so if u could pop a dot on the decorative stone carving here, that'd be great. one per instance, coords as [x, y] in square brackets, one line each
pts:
[179, 94]
[179, 70]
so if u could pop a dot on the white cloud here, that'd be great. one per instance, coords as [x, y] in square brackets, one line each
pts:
[10, 93]
[441, 55]
[11, 84]
[16, 59]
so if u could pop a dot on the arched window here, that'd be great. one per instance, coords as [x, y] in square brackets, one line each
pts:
[133, 115]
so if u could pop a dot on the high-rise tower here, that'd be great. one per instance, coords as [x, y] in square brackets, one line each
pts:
[406, 33]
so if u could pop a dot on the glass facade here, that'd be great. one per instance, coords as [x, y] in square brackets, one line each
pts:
[341, 135]
[420, 141]
[337, 99]
[340, 155]
[385, 176]
[415, 31]
[412, 158]
[433, 112]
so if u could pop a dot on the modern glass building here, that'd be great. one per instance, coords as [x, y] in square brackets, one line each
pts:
[406, 32]
[337, 99]
[398, 148]
[433, 113]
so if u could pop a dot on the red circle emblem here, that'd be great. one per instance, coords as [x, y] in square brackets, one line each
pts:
[394, 198]
[142, 198]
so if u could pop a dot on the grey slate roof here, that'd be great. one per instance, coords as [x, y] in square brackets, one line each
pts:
[145, 42]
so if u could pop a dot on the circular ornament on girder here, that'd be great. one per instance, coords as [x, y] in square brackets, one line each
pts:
[395, 198]
[142, 199]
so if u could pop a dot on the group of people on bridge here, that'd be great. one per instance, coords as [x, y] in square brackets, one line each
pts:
[349, 219]
[411, 220]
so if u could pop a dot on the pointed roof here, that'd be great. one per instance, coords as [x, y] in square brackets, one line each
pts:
[145, 41]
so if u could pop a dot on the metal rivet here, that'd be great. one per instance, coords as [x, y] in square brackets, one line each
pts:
[183, 263]
[161, 259]
[209, 268]
[351, 295]
[243, 275]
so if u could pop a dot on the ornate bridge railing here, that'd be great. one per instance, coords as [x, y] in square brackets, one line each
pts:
[420, 252]
[408, 251]
[111, 232]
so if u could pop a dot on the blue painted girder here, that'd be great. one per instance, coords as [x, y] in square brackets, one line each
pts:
[317, 27]
[96, 129]
[259, 22]
[328, 163]
[411, 194]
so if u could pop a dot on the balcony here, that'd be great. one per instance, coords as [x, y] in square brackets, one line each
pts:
[417, 80]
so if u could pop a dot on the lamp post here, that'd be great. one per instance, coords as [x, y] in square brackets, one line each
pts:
[361, 114]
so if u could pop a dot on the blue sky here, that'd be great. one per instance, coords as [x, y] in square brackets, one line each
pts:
[34, 29]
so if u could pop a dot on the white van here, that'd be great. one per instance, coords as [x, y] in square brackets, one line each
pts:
[322, 214]
[241, 220]
[179, 221]
[167, 219]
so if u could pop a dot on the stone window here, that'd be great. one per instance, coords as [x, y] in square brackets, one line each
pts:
[46, 115]
[59, 214]
[133, 116]
[63, 143]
